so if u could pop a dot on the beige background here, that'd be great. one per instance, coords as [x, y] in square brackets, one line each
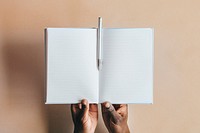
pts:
[177, 62]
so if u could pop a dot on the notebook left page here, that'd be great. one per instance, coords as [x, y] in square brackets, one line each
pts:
[71, 71]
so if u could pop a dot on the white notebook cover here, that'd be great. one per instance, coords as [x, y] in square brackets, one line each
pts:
[71, 67]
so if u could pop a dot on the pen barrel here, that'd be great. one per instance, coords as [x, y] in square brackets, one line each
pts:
[99, 39]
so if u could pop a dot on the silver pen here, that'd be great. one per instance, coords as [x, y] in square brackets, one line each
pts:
[99, 44]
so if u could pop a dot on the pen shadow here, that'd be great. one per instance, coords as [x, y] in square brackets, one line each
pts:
[24, 70]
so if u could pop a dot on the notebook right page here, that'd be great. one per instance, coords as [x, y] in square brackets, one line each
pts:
[127, 73]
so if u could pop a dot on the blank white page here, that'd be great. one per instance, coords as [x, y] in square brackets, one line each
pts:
[71, 65]
[127, 73]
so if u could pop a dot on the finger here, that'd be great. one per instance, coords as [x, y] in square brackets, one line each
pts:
[74, 107]
[120, 107]
[80, 106]
[115, 117]
[85, 106]
[93, 107]
[123, 110]
[103, 109]
[117, 106]
[74, 111]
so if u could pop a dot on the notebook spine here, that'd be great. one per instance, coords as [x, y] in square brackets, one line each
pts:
[45, 65]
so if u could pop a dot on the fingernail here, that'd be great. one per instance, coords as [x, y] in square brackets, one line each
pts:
[107, 105]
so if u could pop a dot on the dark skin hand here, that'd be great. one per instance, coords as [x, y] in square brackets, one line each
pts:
[85, 117]
[115, 117]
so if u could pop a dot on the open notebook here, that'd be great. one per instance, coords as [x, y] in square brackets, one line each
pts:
[71, 65]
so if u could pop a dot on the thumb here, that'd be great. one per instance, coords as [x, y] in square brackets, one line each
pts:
[84, 107]
[115, 117]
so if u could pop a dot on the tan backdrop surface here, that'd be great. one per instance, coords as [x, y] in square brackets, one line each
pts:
[176, 107]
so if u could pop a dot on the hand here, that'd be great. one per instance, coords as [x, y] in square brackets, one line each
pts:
[115, 117]
[84, 116]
